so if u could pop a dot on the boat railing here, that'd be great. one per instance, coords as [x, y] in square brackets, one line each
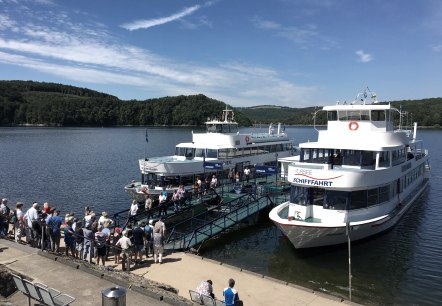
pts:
[190, 199]
[267, 135]
[235, 211]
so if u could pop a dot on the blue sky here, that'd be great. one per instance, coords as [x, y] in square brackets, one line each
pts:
[293, 53]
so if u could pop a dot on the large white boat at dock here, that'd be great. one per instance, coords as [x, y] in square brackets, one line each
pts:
[221, 149]
[362, 173]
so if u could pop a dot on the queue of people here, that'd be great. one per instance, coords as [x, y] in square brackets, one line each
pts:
[88, 238]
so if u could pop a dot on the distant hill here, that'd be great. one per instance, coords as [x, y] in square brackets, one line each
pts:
[38, 103]
[426, 112]
[51, 104]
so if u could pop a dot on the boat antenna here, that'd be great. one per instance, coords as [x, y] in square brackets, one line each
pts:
[145, 149]
[314, 119]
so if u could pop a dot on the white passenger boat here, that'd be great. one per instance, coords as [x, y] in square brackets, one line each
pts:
[221, 149]
[362, 171]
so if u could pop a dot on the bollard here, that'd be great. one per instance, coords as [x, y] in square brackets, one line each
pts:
[114, 296]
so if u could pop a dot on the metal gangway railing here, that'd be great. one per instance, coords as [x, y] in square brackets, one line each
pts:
[202, 227]
[187, 203]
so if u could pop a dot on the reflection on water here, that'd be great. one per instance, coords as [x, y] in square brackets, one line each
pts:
[72, 167]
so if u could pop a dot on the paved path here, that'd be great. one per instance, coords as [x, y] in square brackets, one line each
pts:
[185, 271]
[179, 270]
[85, 287]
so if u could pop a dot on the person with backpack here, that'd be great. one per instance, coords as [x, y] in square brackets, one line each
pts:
[4, 217]
[148, 244]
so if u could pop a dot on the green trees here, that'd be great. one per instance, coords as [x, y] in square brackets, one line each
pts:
[27, 102]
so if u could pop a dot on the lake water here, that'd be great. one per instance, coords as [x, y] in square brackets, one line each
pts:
[74, 167]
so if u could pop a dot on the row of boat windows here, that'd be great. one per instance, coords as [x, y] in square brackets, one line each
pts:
[232, 152]
[346, 200]
[352, 157]
[367, 115]
[222, 128]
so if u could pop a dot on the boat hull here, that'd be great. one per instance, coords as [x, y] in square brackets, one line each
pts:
[309, 235]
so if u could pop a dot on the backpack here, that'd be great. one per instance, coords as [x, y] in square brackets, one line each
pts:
[13, 217]
[7, 211]
[148, 231]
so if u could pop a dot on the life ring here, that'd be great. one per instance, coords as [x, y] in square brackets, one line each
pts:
[247, 139]
[353, 126]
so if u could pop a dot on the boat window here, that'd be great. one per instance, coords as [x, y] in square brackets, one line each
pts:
[336, 199]
[358, 199]
[351, 157]
[372, 197]
[212, 153]
[353, 115]
[226, 153]
[211, 128]
[384, 159]
[342, 115]
[332, 115]
[399, 156]
[189, 152]
[384, 193]
[377, 115]
[368, 158]
[179, 151]
[246, 151]
[199, 152]
[317, 196]
[299, 195]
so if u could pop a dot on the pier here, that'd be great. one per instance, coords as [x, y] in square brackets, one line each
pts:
[181, 271]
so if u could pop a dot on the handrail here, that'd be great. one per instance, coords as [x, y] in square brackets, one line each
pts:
[214, 226]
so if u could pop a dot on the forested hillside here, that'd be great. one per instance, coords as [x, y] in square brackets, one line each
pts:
[426, 112]
[27, 102]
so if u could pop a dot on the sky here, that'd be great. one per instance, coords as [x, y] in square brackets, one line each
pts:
[294, 53]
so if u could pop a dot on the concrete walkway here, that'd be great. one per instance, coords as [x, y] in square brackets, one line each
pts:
[179, 270]
[185, 271]
[85, 287]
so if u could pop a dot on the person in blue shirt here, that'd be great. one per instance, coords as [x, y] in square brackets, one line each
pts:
[54, 224]
[231, 296]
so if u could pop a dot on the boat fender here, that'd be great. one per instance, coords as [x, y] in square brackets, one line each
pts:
[247, 139]
[353, 126]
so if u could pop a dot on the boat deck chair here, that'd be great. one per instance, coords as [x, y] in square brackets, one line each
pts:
[51, 300]
[195, 297]
[18, 280]
[218, 303]
[207, 300]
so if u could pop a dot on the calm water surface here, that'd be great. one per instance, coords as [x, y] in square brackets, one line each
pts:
[74, 167]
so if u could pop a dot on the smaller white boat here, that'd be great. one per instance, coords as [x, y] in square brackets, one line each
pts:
[361, 172]
[221, 149]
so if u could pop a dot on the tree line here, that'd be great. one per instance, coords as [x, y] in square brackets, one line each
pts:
[28, 102]
[51, 104]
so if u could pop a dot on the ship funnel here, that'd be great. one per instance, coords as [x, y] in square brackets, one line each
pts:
[279, 128]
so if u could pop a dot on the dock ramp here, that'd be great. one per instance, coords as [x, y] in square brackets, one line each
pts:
[199, 228]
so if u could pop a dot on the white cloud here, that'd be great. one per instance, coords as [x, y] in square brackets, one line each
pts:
[89, 53]
[305, 36]
[364, 57]
[437, 48]
[145, 24]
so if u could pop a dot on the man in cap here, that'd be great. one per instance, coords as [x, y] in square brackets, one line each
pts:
[125, 244]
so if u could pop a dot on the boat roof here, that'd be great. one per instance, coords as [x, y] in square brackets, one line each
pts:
[352, 106]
